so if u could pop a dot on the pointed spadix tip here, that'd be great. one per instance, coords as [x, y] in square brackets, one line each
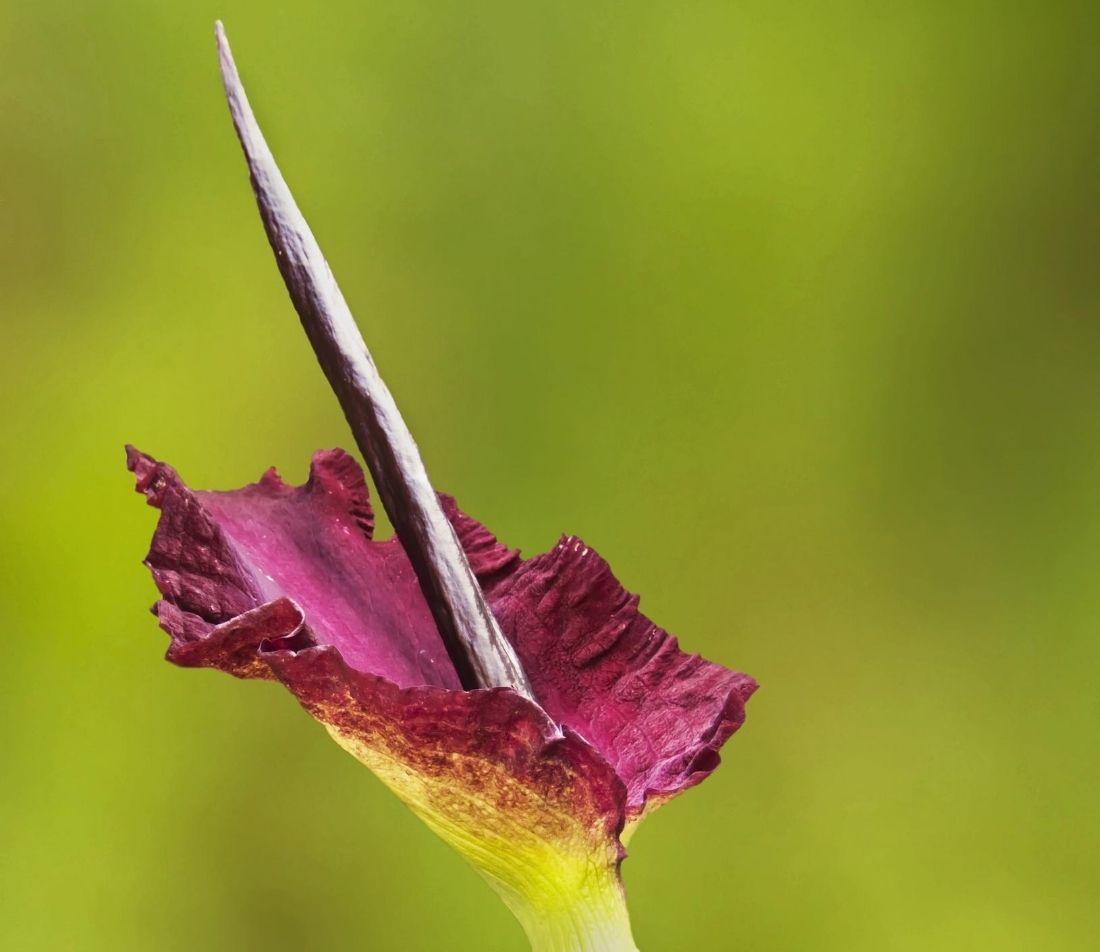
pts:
[225, 58]
[222, 40]
[259, 159]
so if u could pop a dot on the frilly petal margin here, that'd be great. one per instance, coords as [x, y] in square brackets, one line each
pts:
[216, 555]
[286, 582]
[601, 667]
[534, 808]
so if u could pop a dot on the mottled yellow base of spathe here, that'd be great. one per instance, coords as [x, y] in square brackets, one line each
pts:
[557, 874]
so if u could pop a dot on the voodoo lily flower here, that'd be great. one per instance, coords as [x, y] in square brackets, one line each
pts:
[524, 709]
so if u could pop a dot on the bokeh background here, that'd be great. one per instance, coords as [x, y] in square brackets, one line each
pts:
[790, 309]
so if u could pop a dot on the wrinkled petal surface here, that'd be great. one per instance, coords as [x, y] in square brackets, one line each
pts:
[216, 555]
[598, 665]
[282, 582]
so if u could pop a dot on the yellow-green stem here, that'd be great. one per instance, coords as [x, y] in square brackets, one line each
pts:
[594, 920]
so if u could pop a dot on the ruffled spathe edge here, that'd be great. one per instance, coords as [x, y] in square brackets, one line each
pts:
[658, 715]
[640, 721]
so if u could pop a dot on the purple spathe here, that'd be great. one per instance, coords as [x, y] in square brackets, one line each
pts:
[287, 582]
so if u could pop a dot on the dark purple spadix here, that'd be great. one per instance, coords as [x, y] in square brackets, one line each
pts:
[480, 653]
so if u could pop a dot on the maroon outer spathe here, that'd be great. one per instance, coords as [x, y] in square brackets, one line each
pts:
[283, 582]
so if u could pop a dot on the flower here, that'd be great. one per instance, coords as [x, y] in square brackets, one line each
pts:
[287, 583]
[525, 709]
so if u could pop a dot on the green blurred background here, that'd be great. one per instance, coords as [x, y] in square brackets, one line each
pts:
[790, 309]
